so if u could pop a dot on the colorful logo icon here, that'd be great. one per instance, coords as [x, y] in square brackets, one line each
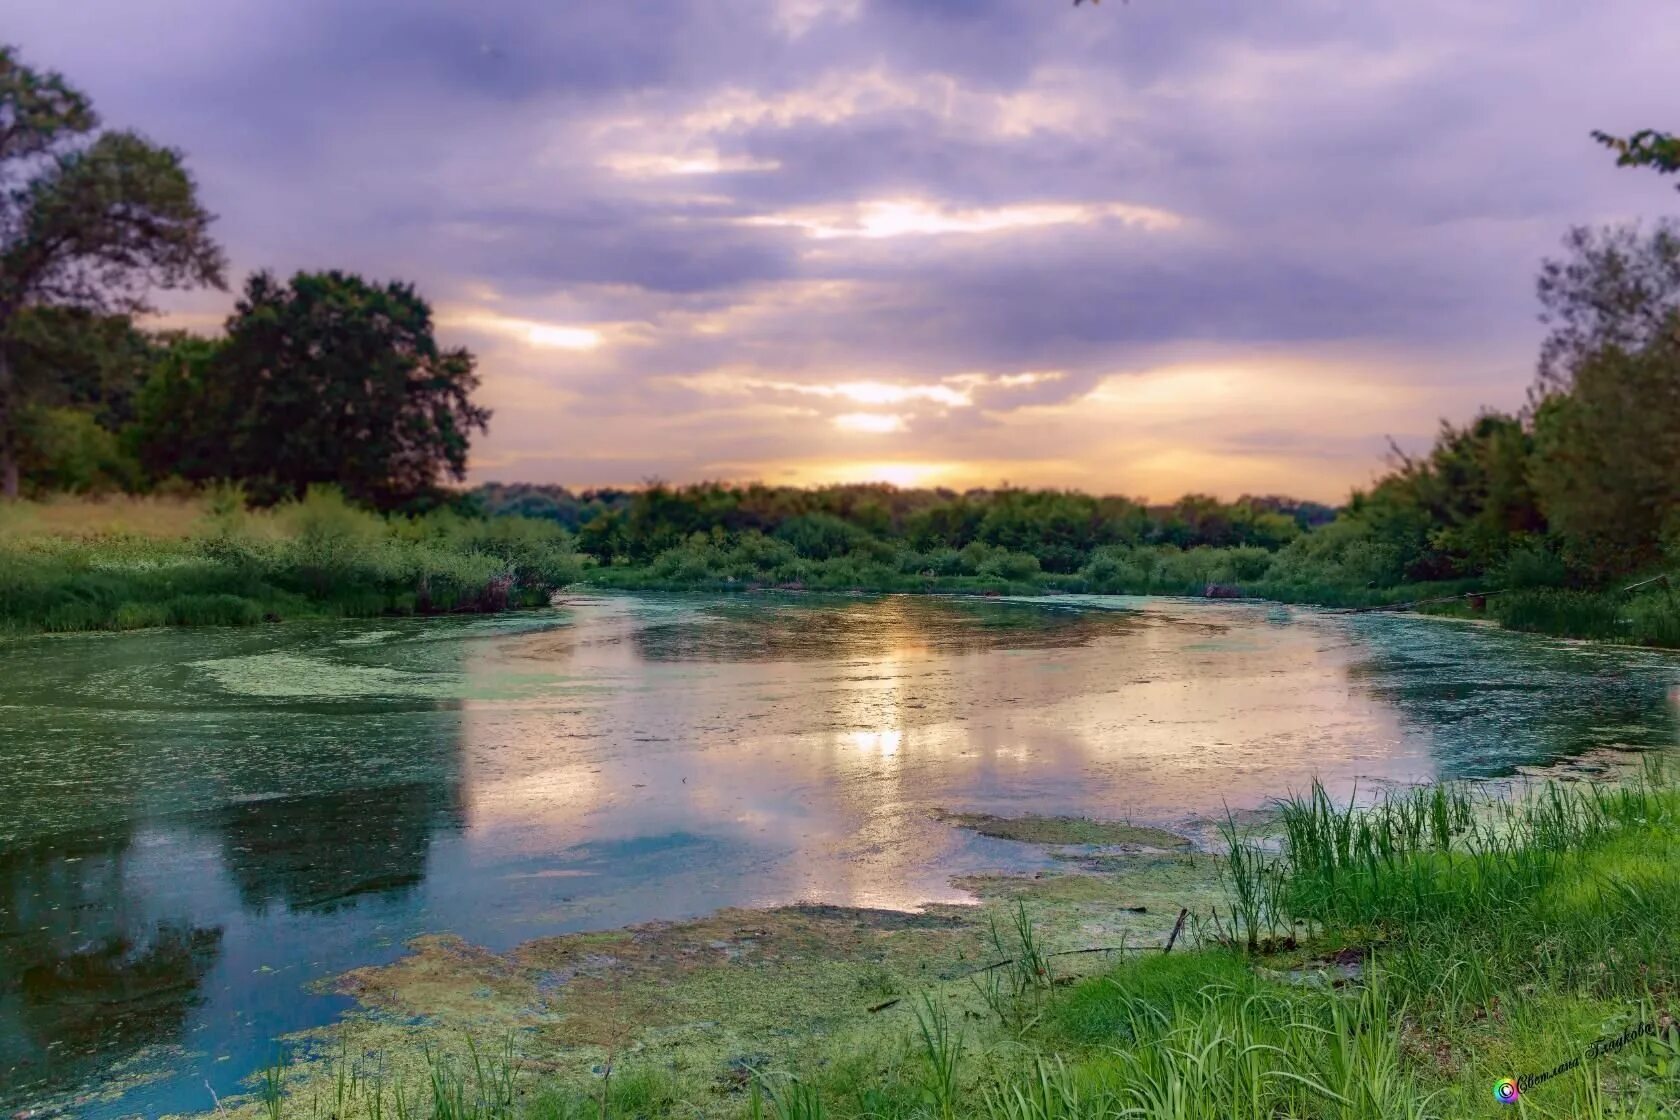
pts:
[1505, 1091]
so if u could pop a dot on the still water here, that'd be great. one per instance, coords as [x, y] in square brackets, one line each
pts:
[196, 825]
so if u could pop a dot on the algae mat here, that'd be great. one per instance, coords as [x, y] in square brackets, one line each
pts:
[199, 829]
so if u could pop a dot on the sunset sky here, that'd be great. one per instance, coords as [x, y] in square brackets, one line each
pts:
[1135, 248]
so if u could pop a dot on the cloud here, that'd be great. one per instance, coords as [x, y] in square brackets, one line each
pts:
[546, 336]
[901, 217]
[1135, 248]
[878, 423]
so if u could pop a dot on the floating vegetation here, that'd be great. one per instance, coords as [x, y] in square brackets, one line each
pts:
[1066, 830]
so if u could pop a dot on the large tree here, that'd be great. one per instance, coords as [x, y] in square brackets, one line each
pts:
[89, 219]
[1617, 286]
[1608, 463]
[327, 379]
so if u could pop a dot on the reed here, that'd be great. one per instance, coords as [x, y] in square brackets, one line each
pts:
[1493, 932]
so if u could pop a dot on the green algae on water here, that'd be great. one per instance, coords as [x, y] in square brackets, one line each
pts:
[1033, 829]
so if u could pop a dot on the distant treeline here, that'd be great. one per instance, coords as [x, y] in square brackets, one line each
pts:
[1578, 489]
[1060, 528]
[330, 383]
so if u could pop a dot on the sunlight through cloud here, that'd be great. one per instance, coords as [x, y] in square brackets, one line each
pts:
[880, 422]
[547, 336]
[637, 165]
[882, 218]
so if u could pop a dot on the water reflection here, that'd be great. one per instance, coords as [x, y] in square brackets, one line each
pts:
[1519, 700]
[180, 855]
[111, 940]
[320, 852]
[260, 809]
[870, 628]
[87, 972]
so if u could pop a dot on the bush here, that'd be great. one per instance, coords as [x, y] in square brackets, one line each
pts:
[207, 610]
[1012, 566]
[67, 450]
[1345, 552]
[328, 542]
[317, 556]
[1531, 564]
[822, 536]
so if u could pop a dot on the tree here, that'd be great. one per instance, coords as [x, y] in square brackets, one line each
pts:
[75, 358]
[1607, 468]
[1616, 288]
[1645, 148]
[88, 219]
[331, 379]
[179, 411]
[83, 371]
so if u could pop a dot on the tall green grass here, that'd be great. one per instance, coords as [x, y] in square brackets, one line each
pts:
[313, 557]
[1493, 935]
[1649, 618]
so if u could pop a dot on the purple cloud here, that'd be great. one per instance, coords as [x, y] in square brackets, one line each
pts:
[652, 219]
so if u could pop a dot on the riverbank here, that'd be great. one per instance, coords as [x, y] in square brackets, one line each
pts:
[131, 563]
[1649, 616]
[1393, 961]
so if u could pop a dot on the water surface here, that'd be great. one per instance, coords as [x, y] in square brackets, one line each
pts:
[197, 824]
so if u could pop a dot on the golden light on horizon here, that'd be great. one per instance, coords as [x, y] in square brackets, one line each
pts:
[907, 475]
[1226, 421]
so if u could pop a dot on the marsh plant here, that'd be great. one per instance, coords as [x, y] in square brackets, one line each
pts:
[1013, 985]
[1497, 931]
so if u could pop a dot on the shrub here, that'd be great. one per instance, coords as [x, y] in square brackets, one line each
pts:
[1012, 566]
[1531, 564]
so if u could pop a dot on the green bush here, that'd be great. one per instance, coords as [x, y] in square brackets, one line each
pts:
[1531, 564]
[219, 609]
[1011, 566]
[316, 556]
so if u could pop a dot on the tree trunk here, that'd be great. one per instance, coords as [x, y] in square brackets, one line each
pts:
[8, 437]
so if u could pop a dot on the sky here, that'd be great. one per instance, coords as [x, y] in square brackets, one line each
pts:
[1145, 248]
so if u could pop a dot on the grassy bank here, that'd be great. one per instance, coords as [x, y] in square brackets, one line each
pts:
[122, 563]
[1649, 616]
[1394, 961]
[126, 563]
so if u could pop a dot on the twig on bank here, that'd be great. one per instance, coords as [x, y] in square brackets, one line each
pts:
[1411, 603]
[1178, 927]
[1183, 913]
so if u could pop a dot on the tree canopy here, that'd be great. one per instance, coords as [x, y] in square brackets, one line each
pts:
[1616, 286]
[89, 219]
[327, 378]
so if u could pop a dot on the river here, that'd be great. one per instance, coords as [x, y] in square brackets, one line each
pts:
[195, 825]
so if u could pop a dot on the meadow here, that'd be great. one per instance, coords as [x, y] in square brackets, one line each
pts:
[128, 562]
